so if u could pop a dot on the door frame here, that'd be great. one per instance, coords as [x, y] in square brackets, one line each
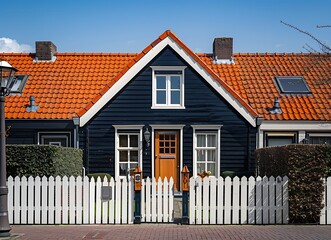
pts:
[178, 128]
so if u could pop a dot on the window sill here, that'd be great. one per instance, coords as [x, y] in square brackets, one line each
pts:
[167, 107]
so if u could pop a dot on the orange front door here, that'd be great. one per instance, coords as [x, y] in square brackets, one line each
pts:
[167, 156]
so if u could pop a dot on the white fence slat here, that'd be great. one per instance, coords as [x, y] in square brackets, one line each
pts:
[10, 185]
[279, 200]
[220, 200]
[92, 201]
[118, 201]
[148, 200]
[124, 201]
[235, 200]
[24, 200]
[159, 200]
[251, 200]
[17, 199]
[227, 202]
[105, 203]
[72, 204]
[131, 201]
[272, 200]
[98, 201]
[212, 207]
[154, 192]
[112, 202]
[192, 201]
[58, 199]
[205, 200]
[79, 200]
[171, 200]
[322, 215]
[65, 200]
[243, 201]
[51, 200]
[198, 208]
[328, 201]
[37, 199]
[44, 199]
[143, 201]
[86, 200]
[165, 200]
[285, 200]
[265, 200]
[259, 200]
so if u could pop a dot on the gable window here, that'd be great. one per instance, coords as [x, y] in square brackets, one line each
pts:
[292, 85]
[206, 149]
[54, 138]
[168, 87]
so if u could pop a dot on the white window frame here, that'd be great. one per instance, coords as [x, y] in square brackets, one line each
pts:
[209, 129]
[284, 135]
[122, 131]
[168, 104]
[64, 135]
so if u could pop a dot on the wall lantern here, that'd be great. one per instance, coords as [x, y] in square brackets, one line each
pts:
[7, 81]
[147, 136]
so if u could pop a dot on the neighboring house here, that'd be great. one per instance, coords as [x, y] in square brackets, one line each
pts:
[206, 111]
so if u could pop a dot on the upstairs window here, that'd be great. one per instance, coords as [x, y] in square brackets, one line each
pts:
[168, 87]
[292, 85]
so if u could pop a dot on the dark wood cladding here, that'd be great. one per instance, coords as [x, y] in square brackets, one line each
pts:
[203, 106]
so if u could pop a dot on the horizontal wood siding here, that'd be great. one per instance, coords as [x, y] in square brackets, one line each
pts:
[203, 105]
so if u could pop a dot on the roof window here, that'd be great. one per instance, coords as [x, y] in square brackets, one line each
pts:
[292, 84]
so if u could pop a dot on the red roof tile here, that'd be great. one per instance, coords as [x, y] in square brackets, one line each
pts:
[70, 85]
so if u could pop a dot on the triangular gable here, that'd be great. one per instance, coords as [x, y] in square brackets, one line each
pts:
[150, 52]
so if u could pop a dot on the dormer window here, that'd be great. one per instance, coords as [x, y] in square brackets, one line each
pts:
[168, 87]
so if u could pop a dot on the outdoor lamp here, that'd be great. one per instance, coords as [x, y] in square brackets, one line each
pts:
[147, 136]
[7, 82]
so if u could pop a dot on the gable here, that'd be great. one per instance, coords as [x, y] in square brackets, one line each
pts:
[142, 60]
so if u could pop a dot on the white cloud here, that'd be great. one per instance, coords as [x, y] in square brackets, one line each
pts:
[11, 45]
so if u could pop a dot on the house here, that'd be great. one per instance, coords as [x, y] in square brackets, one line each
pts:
[167, 106]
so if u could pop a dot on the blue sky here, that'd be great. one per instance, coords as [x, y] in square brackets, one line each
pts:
[129, 26]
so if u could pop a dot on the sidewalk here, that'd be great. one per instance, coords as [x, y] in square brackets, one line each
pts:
[170, 231]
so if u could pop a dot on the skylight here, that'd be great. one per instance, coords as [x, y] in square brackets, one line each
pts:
[291, 84]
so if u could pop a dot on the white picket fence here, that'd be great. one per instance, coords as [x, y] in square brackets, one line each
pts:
[325, 217]
[238, 201]
[78, 201]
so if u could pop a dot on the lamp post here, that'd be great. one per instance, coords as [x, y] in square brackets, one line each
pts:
[7, 82]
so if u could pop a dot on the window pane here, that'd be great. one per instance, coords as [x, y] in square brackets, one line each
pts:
[320, 140]
[123, 169]
[133, 165]
[161, 97]
[161, 82]
[211, 155]
[211, 141]
[133, 140]
[211, 167]
[123, 140]
[133, 156]
[175, 97]
[200, 167]
[201, 141]
[123, 156]
[175, 82]
[279, 141]
[201, 155]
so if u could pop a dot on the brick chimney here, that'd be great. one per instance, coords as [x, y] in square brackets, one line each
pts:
[45, 51]
[223, 50]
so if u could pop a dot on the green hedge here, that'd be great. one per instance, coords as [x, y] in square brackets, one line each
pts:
[305, 166]
[43, 160]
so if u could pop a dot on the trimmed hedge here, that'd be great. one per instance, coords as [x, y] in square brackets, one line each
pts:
[305, 166]
[43, 160]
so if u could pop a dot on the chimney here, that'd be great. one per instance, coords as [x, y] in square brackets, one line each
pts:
[223, 50]
[45, 51]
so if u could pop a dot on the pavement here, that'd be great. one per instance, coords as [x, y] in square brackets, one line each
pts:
[170, 231]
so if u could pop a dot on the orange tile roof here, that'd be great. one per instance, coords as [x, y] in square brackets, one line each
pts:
[70, 85]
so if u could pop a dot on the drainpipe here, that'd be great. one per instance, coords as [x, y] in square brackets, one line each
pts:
[259, 121]
[76, 131]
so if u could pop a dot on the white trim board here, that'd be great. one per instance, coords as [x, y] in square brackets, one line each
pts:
[295, 125]
[134, 70]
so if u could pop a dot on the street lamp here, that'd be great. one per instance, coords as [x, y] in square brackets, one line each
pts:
[7, 82]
